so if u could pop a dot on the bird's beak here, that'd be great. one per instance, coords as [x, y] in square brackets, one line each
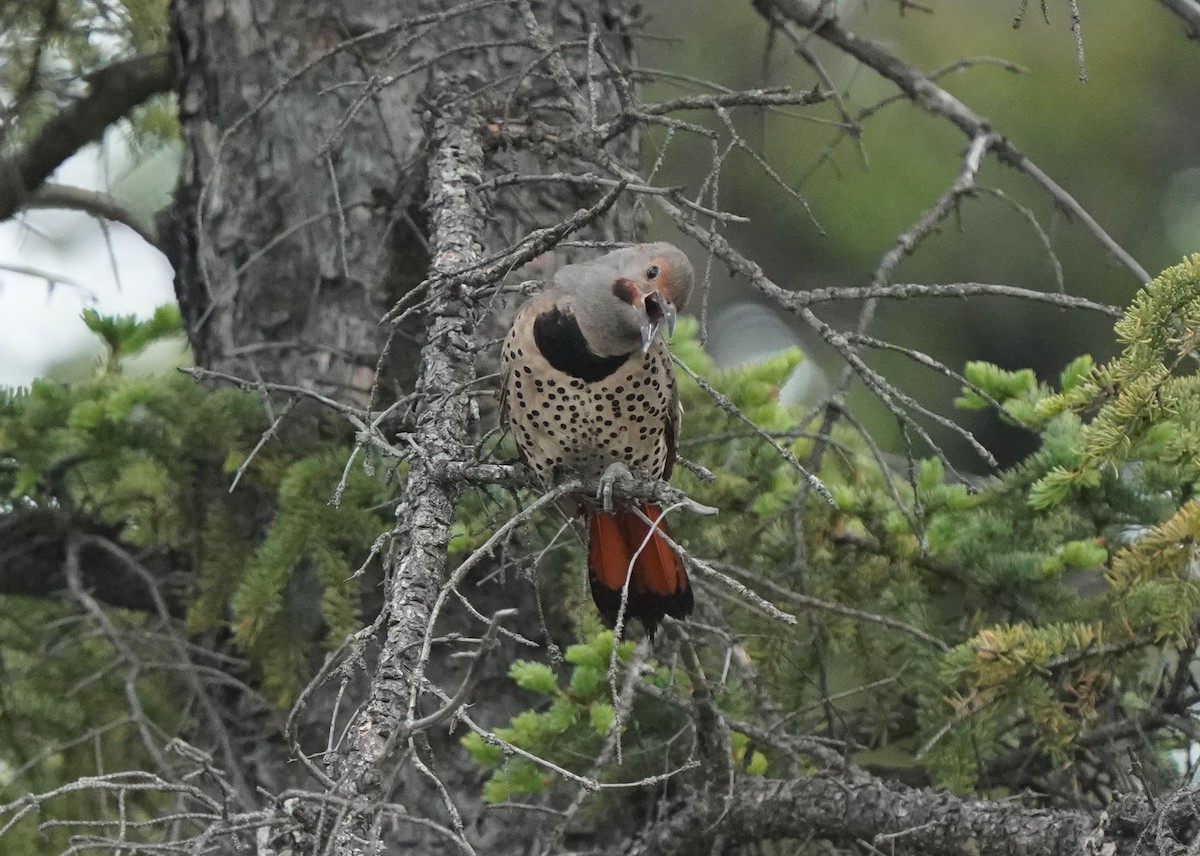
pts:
[659, 310]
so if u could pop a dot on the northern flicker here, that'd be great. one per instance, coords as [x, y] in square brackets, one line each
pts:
[588, 383]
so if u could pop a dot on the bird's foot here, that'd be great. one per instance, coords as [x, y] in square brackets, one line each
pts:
[616, 471]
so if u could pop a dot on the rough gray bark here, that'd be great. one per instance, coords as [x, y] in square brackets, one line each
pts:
[426, 510]
[846, 809]
[298, 220]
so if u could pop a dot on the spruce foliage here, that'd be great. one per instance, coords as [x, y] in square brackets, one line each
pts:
[149, 460]
[1041, 608]
[940, 626]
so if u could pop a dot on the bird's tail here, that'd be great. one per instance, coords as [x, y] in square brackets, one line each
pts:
[658, 583]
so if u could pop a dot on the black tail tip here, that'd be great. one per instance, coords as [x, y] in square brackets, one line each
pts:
[647, 607]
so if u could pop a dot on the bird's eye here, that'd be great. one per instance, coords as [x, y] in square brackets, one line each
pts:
[652, 272]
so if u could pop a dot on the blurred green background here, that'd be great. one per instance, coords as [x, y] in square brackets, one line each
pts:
[1125, 144]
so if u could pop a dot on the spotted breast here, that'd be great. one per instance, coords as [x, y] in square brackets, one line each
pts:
[573, 413]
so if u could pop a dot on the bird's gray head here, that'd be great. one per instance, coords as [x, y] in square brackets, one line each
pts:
[623, 298]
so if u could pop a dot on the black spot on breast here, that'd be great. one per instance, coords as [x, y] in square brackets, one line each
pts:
[561, 342]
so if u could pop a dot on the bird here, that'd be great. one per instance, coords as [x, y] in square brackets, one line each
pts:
[589, 390]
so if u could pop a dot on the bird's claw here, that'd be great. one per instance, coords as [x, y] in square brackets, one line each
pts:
[615, 472]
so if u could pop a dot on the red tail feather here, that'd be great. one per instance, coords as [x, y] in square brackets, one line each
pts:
[658, 583]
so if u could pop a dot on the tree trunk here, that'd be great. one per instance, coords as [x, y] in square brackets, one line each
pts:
[310, 202]
[298, 219]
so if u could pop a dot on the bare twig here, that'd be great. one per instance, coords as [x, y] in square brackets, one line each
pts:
[835, 608]
[589, 179]
[52, 280]
[489, 270]
[451, 707]
[262, 441]
[729, 407]
[93, 202]
[902, 291]
[937, 101]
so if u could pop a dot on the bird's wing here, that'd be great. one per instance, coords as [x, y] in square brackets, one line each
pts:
[673, 419]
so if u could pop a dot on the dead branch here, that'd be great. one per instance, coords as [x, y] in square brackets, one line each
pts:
[426, 510]
[844, 811]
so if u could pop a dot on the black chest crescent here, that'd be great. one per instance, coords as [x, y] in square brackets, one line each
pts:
[561, 343]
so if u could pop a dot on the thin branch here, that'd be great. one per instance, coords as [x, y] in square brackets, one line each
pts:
[908, 240]
[729, 407]
[52, 280]
[836, 608]
[904, 291]
[893, 398]
[101, 205]
[558, 67]
[265, 438]
[933, 99]
[588, 179]
[451, 707]
[451, 584]
[113, 92]
[491, 269]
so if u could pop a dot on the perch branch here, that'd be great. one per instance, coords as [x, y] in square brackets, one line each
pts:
[863, 808]
[425, 514]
